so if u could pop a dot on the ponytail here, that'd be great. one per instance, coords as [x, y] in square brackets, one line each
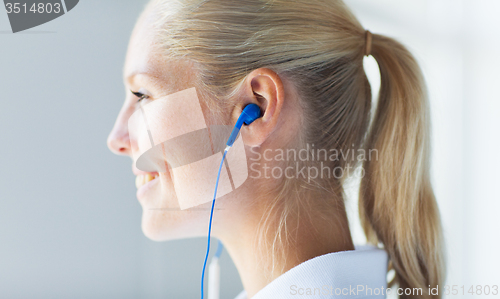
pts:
[397, 204]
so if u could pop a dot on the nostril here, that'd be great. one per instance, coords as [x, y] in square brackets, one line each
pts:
[118, 141]
[117, 146]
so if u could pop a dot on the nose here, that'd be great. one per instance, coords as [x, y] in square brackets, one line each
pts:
[119, 139]
[119, 142]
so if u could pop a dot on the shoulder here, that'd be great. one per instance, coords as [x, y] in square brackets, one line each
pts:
[359, 273]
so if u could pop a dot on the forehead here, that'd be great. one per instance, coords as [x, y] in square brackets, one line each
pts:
[142, 56]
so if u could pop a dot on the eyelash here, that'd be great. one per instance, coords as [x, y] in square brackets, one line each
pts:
[140, 95]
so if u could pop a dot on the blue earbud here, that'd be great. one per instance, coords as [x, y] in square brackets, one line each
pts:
[250, 113]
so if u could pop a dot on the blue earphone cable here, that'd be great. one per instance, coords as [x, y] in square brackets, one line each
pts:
[219, 247]
[250, 113]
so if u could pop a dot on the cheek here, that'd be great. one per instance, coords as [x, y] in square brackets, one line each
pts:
[195, 182]
[171, 122]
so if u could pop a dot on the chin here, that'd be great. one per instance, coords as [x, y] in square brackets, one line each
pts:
[162, 218]
[159, 225]
[153, 231]
[166, 225]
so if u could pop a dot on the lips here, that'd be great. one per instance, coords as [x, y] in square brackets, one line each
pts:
[146, 182]
[142, 179]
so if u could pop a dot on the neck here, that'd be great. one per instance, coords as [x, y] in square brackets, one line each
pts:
[319, 233]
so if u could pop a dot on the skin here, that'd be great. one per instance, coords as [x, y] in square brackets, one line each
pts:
[240, 212]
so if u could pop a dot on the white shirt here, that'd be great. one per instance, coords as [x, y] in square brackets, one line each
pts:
[359, 273]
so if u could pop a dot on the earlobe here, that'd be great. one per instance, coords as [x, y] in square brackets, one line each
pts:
[266, 89]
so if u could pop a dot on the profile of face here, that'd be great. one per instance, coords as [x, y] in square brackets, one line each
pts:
[150, 77]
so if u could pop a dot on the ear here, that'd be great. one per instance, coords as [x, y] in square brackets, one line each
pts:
[264, 88]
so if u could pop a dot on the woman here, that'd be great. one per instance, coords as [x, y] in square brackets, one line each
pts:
[301, 62]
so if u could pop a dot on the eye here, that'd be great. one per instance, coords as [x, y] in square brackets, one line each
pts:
[141, 96]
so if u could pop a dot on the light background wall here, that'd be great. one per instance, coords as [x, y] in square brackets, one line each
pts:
[69, 219]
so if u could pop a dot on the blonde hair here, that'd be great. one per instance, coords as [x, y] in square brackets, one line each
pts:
[319, 45]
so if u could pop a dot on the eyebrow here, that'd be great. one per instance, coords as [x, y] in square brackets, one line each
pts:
[144, 73]
[133, 74]
[149, 76]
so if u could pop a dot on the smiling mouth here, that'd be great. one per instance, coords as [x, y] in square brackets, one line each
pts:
[142, 179]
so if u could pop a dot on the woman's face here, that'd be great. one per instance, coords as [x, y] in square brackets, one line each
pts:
[147, 73]
[152, 77]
